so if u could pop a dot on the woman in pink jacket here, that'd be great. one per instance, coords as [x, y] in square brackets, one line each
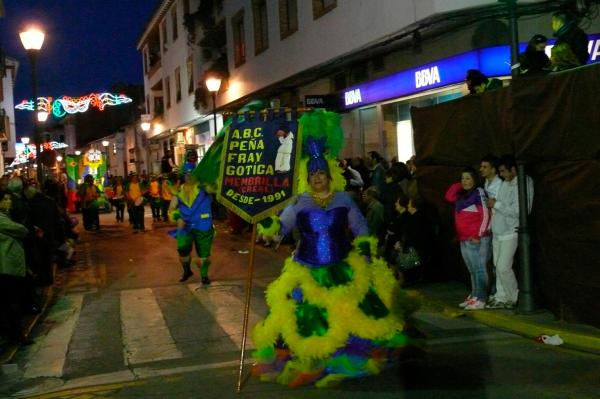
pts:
[472, 222]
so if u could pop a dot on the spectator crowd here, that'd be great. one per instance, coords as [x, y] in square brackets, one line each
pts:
[36, 236]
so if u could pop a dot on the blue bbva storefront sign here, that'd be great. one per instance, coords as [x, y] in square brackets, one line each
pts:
[492, 61]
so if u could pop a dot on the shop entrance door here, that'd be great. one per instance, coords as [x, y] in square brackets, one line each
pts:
[369, 130]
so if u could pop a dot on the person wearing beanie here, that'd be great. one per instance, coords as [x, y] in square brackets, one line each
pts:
[534, 61]
[571, 47]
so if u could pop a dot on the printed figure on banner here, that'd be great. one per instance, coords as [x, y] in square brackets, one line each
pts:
[284, 153]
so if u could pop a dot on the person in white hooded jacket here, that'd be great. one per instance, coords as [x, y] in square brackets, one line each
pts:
[505, 224]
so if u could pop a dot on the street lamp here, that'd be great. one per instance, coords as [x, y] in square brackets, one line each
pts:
[145, 126]
[105, 144]
[213, 84]
[32, 40]
[25, 140]
[77, 152]
[42, 116]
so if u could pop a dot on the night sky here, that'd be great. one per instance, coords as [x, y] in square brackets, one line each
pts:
[89, 46]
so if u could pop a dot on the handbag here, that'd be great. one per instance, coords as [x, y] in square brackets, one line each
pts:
[408, 259]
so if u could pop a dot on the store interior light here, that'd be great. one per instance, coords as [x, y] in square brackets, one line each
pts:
[77, 152]
[25, 140]
[59, 158]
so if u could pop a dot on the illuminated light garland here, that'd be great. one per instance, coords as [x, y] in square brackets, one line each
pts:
[25, 105]
[71, 105]
[25, 153]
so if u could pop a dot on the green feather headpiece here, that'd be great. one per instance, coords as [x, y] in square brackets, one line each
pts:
[325, 126]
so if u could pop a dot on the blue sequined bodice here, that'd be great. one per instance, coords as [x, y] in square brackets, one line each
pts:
[323, 236]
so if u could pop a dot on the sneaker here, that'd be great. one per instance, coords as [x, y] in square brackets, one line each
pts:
[509, 305]
[494, 304]
[465, 302]
[475, 304]
[205, 281]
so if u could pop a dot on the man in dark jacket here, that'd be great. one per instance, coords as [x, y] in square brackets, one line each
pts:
[571, 47]
[46, 224]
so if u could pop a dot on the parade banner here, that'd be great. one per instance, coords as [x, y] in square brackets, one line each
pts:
[259, 166]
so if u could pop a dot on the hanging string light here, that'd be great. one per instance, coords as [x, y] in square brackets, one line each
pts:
[70, 105]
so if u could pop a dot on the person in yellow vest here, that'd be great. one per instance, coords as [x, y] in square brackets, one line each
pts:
[154, 198]
[89, 194]
[135, 197]
[166, 195]
[118, 199]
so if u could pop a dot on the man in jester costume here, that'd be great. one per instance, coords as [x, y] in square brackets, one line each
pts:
[191, 209]
[336, 311]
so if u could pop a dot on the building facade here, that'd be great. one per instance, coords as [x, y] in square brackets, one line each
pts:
[372, 64]
[172, 71]
[7, 112]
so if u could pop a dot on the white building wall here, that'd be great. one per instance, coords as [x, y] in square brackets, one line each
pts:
[352, 25]
[8, 104]
[176, 55]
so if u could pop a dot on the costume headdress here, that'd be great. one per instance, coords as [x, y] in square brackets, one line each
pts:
[315, 149]
[322, 138]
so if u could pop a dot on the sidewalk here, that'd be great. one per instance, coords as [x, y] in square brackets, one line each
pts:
[444, 297]
[8, 350]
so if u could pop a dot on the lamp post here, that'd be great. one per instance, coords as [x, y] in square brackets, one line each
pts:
[59, 159]
[25, 141]
[105, 144]
[213, 84]
[145, 126]
[42, 116]
[526, 304]
[32, 40]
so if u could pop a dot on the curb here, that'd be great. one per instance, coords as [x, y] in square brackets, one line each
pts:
[572, 340]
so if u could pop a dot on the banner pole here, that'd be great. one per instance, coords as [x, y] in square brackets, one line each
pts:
[247, 306]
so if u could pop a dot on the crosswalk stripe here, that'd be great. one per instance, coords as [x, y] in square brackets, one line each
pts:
[146, 336]
[51, 350]
[227, 309]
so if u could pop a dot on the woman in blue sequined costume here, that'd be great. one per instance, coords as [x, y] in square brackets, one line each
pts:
[336, 311]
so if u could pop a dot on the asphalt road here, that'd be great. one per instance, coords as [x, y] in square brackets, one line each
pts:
[122, 326]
